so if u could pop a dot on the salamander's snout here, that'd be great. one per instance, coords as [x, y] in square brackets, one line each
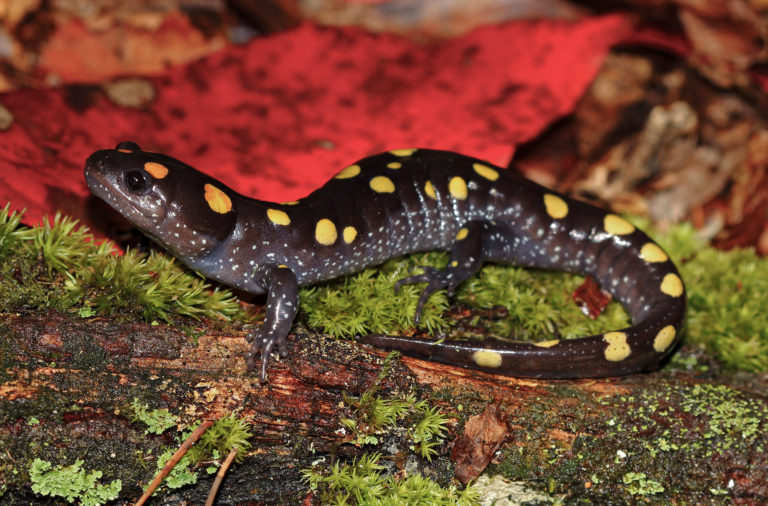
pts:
[96, 165]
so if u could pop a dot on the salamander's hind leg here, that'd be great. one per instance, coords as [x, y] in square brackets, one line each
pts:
[467, 256]
[282, 304]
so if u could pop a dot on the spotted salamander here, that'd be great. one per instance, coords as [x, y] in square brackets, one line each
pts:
[396, 203]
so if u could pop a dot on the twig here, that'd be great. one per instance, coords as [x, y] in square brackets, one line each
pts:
[220, 476]
[192, 439]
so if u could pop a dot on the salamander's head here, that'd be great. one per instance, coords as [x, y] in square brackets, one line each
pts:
[186, 211]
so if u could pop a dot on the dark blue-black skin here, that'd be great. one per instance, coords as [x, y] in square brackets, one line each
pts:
[396, 203]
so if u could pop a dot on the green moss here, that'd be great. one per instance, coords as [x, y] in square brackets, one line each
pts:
[152, 286]
[10, 230]
[226, 434]
[374, 416]
[428, 430]
[727, 297]
[59, 265]
[363, 482]
[366, 302]
[72, 483]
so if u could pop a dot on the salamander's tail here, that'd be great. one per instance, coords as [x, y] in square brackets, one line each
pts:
[637, 348]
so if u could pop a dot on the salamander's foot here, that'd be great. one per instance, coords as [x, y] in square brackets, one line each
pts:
[436, 279]
[263, 345]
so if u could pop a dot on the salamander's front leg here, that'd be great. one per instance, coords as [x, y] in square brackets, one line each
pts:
[282, 304]
[466, 259]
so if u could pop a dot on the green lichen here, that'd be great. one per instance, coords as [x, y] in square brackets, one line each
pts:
[72, 483]
[667, 442]
[638, 484]
[363, 482]
[727, 413]
[726, 421]
[156, 420]
[182, 474]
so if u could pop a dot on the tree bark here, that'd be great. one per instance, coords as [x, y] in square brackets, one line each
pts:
[67, 386]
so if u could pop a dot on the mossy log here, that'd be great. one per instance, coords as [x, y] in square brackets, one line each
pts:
[67, 386]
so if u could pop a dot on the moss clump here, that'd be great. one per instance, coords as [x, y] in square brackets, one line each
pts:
[727, 301]
[226, 434]
[151, 286]
[59, 265]
[363, 482]
[374, 415]
[366, 302]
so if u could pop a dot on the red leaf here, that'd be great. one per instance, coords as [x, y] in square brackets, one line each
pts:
[277, 117]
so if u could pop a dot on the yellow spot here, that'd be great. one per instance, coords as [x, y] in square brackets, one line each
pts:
[348, 172]
[394, 165]
[454, 263]
[325, 232]
[349, 234]
[217, 199]
[617, 225]
[547, 344]
[156, 170]
[402, 152]
[282, 266]
[487, 358]
[485, 171]
[672, 285]
[556, 207]
[664, 338]
[290, 203]
[618, 348]
[125, 150]
[278, 217]
[382, 184]
[651, 253]
[458, 188]
[429, 189]
[462, 234]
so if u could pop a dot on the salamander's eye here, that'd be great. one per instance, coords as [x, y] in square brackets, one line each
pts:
[136, 181]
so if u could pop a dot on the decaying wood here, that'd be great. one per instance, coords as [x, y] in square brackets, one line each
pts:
[78, 378]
